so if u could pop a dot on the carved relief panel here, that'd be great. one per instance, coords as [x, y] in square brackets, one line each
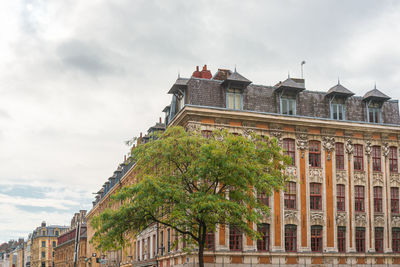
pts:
[317, 218]
[341, 177]
[341, 219]
[361, 220]
[315, 175]
[291, 217]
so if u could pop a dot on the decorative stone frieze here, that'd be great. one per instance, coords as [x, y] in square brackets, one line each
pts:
[302, 143]
[395, 220]
[341, 177]
[315, 175]
[328, 144]
[291, 171]
[349, 146]
[341, 219]
[278, 136]
[377, 178]
[193, 127]
[248, 133]
[291, 217]
[359, 177]
[394, 179]
[379, 220]
[368, 148]
[317, 218]
[385, 149]
[361, 220]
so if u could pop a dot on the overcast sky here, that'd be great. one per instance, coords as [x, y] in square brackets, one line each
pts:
[78, 78]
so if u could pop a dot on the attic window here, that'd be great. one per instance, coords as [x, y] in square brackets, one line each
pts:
[374, 112]
[234, 98]
[288, 105]
[338, 110]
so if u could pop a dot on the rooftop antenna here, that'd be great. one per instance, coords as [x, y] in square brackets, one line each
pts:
[288, 74]
[375, 85]
[179, 74]
[338, 80]
[235, 67]
[301, 65]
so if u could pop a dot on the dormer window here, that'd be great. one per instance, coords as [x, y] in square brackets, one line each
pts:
[288, 106]
[234, 98]
[374, 100]
[338, 110]
[374, 113]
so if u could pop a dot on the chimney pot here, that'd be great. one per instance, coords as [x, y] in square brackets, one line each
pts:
[205, 67]
[197, 68]
[160, 120]
[141, 135]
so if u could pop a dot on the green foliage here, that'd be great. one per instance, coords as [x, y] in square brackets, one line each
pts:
[191, 184]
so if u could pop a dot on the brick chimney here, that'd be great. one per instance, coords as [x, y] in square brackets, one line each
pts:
[196, 73]
[204, 73]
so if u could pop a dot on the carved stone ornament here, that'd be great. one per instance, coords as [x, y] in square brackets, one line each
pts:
[302, 143]
[248, 133]
[395, 221]
[278, 136]
[385, 149]
[315, 175]
[368, 148]
[349, 146]
[359, 177]
[317, 218]
[341, 219]
[395, 179]
[192, 127]
[361, 220]
[291, 171]
[341, 177]
[379, 220]
[377, 178]
[328, 143]
[291, 217]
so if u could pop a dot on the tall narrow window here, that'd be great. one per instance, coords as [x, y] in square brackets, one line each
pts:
[288, 106]
[162, 242]
[378, 239]
[316, 238]
[169, 240]
[340, 195]
[263, 243]
[235, 238]
[234, 98]
[394, 199]
[210, 241]
[376, 158]
[290, 238]
[393, 159]
[314, 154]
[341, 239]
[289, 149]
[377, 199]
[338, 109]
[359, 198]
[358, 157]
[374, 112]
[290, 196]
[339, 156]
[396, 239]
[360, 239]
[263, 199]
[315, 196]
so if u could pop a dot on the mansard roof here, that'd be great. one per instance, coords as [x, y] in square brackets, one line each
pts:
[375, 94]
[237, 79]
[339, 90]
[179, 85]
[291, 85]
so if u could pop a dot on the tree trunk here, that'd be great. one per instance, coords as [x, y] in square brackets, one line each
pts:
[201, 254]
[202, 242]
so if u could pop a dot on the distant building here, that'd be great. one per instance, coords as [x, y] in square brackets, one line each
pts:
[44, 240]
[68, 243]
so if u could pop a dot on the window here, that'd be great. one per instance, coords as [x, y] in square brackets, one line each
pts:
[396, 239]
[43, 244]
[169, 240]
[378, 239]
[263, 243]
[43, 264]
[374, 112]
[340, 195]
[289, 149]
[377, 199]
[316, 238]
[290, 196]
[315, 154]
[358, 157]
[288, 106]
[338, 109]
[263, 199]
[235, 238]
[210, 241]
[234, 98]
[206, 133]
[56, 233]
[359, 198]
[360, 239]
[340, 156]
[315, 196]
[376, 158]
[394, 199]
[290, 238]
[54, 244]
[393, 159]
[43, 254]
[341, 239]
[162, 242]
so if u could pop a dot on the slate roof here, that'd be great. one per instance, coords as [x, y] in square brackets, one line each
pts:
[166, 108]
[237, 78]
[180, 84]
[289, 84]
[375, 94]
[339, 90]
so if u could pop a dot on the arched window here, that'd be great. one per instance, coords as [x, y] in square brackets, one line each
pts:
[314, 154]
[378, 199]
[340, 195]
[315, 196]
[290, 196]
[339, 152]
[358, 157]
[289, 149]
[393, 167]
[376, 158]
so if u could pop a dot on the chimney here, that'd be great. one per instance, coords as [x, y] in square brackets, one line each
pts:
[160, 120]
[124, 158]
[196, 73]
[205, 73]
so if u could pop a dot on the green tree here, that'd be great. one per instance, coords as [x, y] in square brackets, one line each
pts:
[192, 184]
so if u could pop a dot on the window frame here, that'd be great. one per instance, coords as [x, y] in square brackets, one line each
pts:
[289, 148]
[376, 159]
[341, 239]
[341, 197]
[378, 199]
[263, 243]
[290, 238]
[210, 241]
[358, 157]
[393, 160]
[290, 197]
[396, 239]
[263, 198]
[339, 156]
[340, 110]
[394, 200]
[375, 110]
[359, 201]
[314, 154]
[315, 197]
[316, 238]
[360, 239]
[289, 102]
[235, 239]
[234, 92]
[379, 239]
